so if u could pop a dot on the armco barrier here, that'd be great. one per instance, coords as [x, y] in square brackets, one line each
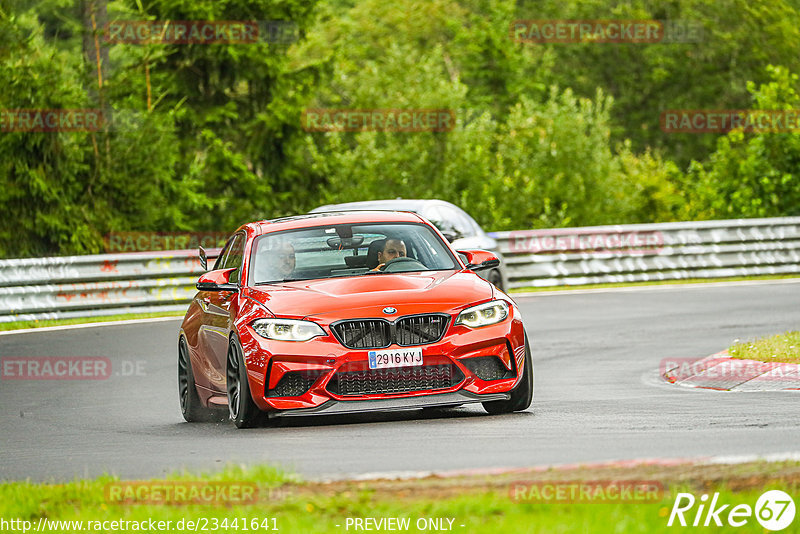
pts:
[646, 252]
[86, 286]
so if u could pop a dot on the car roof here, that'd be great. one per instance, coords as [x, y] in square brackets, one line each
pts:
[331, 218]
[402, 204]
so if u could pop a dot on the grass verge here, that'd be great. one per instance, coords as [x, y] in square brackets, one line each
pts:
[783, 348]
[477, 503]
[18, 325]
[533, 289]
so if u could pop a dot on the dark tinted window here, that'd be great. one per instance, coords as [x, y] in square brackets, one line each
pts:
[233, 257]
[222, 253]
[450, 220]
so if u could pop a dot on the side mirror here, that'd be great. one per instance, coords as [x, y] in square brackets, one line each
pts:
[218, 280]
[478, 260]
[203, 259]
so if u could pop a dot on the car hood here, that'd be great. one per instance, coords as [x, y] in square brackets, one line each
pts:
[366, 296]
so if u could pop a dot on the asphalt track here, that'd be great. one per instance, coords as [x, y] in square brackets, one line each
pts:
[597, 398]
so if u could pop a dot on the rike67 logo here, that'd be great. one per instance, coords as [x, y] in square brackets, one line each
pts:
[774, 510]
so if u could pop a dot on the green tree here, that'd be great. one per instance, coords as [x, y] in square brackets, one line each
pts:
[752, 174]
[517, 158]
[235, 107]
[738, 38]
[195, 136]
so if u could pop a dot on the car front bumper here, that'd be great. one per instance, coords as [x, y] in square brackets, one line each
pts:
[320, 360]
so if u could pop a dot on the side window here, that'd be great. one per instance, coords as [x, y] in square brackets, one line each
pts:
[460, 222]
[434, 215]
[222, 253]
[450, 221]
[234, 256]
[472, 224]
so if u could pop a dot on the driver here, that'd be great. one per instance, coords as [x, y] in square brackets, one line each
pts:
[275, 262]
[392, 248]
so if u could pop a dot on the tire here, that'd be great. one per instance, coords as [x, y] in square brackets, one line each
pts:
[192, 408]
[522, 395]
[496, 278]
[243, 411]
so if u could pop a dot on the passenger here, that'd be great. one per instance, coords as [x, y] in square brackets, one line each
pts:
[274, 262]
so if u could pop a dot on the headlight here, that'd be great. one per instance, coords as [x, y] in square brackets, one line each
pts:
[483, 314]
[287, 329]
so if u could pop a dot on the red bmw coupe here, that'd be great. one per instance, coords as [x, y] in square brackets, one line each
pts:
[341, 313]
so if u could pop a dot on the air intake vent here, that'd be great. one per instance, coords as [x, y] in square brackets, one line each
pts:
[396, 380]
[363, 333]
[487, 368]
[420, 329]
[380, 333]
[294, 384]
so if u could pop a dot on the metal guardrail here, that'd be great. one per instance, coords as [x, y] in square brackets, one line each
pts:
[651, 252]
[106, 284]
[86, 286]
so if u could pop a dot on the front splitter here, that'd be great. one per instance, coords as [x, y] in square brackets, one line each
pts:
[439, 400]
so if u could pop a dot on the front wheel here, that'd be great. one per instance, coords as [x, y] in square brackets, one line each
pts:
[243, 411]
[522, 396]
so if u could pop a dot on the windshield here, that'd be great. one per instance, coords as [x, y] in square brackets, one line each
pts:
[348, 250]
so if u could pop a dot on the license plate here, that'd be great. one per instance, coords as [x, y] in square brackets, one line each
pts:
[382, 359]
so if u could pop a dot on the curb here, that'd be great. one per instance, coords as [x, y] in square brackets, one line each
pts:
[722, 373]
